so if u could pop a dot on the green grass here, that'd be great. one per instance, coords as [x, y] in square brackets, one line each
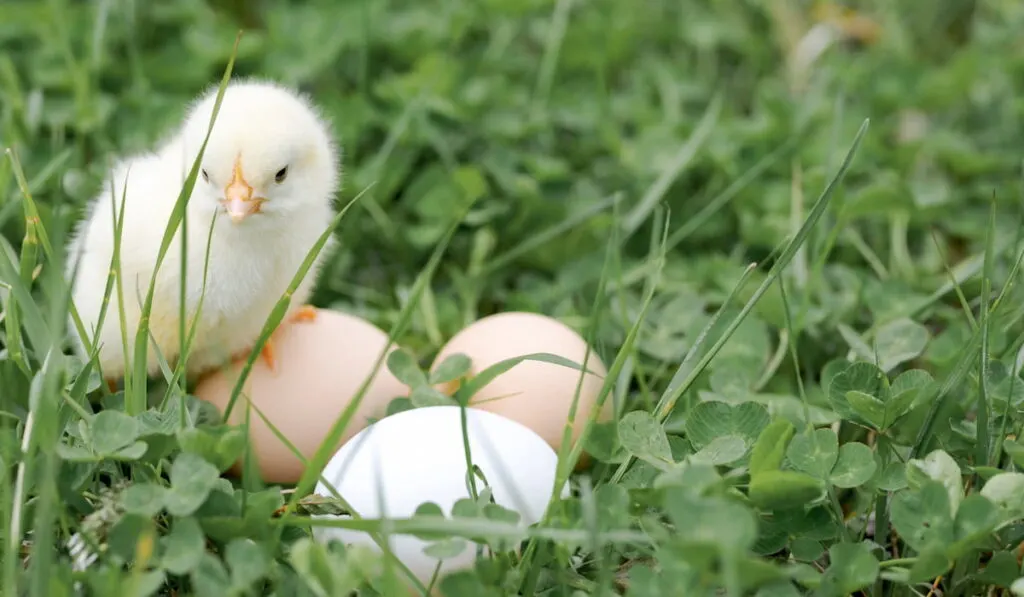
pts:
[800, 268]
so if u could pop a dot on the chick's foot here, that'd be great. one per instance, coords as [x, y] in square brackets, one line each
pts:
[267, 354]
[305, 313]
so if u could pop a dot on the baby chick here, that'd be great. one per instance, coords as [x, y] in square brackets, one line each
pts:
[271, 168]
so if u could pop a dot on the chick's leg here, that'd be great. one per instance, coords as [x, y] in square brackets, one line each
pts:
[267, 354]
[305, 313]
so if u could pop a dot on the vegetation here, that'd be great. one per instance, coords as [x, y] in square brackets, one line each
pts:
[791, 229]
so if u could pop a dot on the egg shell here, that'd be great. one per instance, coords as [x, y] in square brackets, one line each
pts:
[537, 394]
[320, 365]
[415, 456]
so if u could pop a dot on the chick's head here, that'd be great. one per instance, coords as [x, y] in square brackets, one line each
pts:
[269, 154]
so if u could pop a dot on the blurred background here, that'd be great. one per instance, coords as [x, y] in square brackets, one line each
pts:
[570, 123]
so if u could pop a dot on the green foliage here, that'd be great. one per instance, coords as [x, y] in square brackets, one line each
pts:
[853, 568]
[813, 327]
[770, 448]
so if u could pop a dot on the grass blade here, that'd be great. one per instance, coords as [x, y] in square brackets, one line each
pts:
[136, 400]
[679, 163]
[568, 455]
[675, 390]
[322, 455]
[668, 400]
[722, 199]
[326, 449]
[983, 429]
[935, 394]
[499, 261]
[281, 308]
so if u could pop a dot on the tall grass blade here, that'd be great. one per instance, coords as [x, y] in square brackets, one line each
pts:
[935, 394]
[984, 431]
[500, 261]
[135, 401]
[281, 308]
[680, 161]
[567, 459]
[325, 450]
[31, 214]
[675, 390]
[699, 219]
[669, 398]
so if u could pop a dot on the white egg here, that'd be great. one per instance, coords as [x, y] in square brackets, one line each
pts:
[417, 456]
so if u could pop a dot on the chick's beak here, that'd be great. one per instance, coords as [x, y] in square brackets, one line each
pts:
[238, 200]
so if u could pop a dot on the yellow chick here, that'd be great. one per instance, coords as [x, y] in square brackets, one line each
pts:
[269, 172]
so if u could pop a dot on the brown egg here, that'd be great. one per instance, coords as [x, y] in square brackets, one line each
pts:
[536, 394]
[320, 365]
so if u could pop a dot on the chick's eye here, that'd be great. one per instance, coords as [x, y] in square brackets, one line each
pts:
[206, 176]
[281, 174]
